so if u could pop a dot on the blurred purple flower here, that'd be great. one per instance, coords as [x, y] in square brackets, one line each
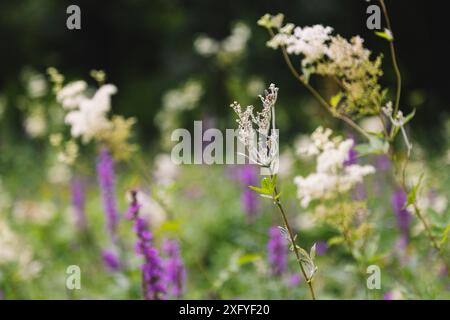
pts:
[388, 296]
[248, 176]
[106, 179]
[111, 260]
[174, 268]
[293, 280]
[321, 248]
[352, 156]
[382, 163]
[359, 192]
[444, 272]
[78, 192]
[277, 248]
[403, 216]
[152, 271]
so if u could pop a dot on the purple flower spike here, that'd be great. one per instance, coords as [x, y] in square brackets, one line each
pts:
[152, 271]
[77, 187]
[106, 179]
[277, 248]
[403, 216]
[352, 157]
[174, 268]
[111, 260]
[293, 280]
[248, 175]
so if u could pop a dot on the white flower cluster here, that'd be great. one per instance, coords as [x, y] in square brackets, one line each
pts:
[183, 98]
[16, 252]
[315, 42]
[262, 142]
[232, 46]
[174, 102]
[309, 41]
[165, 171]
[332, 176]
[87, 116]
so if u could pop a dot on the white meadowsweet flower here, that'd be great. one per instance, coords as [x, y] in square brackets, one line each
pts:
[37, 86]
[15, 251]
[90, 118]
[165, 170]
[72, 94]
[308, 41]
[372, 124]
[236, 42]
[183, 98]
[35, 124]
[332, 175]
[206, 46]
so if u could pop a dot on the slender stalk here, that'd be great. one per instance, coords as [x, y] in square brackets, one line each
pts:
[394, 58]
[292, 239]
[417, 210]
[426, 226]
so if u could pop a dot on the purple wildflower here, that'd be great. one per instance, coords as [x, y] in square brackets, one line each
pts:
[382, 163]
[321, 248]
[352, 157]
[293, 280]
[403, 216]
[77, 186]
[152, 270]
[248, 175]
[444, 271]
[111, 260]
[174, 268]
[106, 179]
[388, 296]
[277, 248]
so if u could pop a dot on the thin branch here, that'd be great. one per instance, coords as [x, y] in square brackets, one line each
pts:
[317, 95]
[394, 58]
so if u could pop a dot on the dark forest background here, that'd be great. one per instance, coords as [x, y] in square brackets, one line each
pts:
[146, 48]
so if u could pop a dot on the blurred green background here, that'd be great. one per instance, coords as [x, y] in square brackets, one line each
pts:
[146, 48]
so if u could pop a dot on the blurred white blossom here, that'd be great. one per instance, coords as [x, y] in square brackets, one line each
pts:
[15, 251]
[37, 86]
[36, 123]
[88, 117]
[332, 176]
[165, 171]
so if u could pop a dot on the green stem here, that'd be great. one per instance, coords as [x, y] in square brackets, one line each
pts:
[292, 239]
[394, 58]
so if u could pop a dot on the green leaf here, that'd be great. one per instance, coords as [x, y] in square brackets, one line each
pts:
[170, 226]
[260, 190]
[335, 241]
[386, 34]
[445, 235]
[412, 195]
[266, 183]
[277, 196]
[334, 101]
[409, 117]
[248, 258]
